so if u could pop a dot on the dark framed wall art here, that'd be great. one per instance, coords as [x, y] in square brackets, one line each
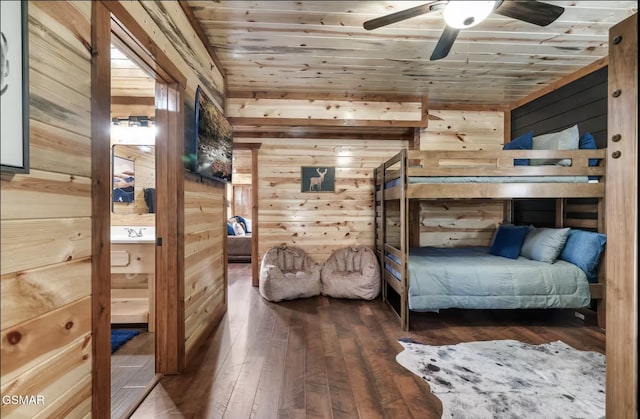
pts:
[318, 179]
[214, 140]
[14, 87]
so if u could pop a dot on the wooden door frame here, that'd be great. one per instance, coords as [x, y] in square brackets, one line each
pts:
[112, 18]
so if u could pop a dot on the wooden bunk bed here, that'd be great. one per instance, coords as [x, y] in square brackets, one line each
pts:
[411, 176]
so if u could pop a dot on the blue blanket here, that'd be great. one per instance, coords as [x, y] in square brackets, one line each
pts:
[470, 277]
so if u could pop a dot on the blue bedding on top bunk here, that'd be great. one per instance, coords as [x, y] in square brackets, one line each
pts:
[469, 277]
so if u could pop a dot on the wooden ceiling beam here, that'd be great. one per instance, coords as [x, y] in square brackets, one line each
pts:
[303, 111]
[315, 133]
[246, 146]
[133, 100]
[303, 122]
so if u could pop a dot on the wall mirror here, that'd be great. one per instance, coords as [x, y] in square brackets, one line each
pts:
[133, 179]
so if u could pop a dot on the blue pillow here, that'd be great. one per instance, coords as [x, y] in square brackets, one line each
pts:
[587, 142]
[584, 249]
[230, 231]
[523, 142]
[508, 241]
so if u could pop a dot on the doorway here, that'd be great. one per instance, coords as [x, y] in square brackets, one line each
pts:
[243, 198]
[133, 236]
[163, 293]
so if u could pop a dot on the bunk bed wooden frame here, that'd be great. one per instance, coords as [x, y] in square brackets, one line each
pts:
[392, 184]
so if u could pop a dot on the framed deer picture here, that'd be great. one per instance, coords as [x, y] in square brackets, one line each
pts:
[318, 179]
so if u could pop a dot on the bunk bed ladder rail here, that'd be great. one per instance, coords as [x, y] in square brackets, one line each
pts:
[395, 253]
[378, 176]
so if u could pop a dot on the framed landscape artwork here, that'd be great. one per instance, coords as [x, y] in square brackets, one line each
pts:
[214, 145]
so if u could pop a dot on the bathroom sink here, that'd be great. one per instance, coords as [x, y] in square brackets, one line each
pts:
[133, 234]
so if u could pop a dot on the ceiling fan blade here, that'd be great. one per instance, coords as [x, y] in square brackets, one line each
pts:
[400, 16]
[535, 12]
[445, 43]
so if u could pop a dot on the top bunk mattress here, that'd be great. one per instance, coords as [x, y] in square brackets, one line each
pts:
[500, 179]
[470, 277]
[492, 179]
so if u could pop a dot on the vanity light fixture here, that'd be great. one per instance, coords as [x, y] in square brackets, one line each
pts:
[134, 121]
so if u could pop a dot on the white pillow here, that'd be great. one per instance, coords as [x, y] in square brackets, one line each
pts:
[567, 139]
[237, 228]
[544, 244]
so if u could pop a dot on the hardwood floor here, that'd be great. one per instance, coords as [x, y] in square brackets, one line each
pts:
[329, 358]
[132, 374]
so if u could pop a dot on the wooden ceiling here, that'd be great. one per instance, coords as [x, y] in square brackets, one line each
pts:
[320, 48]
[128, 79]
[132, 88]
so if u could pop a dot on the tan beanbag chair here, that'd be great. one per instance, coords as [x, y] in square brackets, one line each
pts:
[287, 273]
[351, 272]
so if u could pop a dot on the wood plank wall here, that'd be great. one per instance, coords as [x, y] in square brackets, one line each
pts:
[462, 222]
[330, 111]
[171, 30]
[582, 102]
[318, 222]
[241, 167]
[240, 193]
[204, 242]
[46, 225]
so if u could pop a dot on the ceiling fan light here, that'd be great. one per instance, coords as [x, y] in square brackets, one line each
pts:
[465, 14]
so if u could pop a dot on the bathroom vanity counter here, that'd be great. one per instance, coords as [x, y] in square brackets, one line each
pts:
[132, 234]
[133, 279]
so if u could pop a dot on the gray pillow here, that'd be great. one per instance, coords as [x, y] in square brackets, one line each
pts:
[544, 244]
[567, 139]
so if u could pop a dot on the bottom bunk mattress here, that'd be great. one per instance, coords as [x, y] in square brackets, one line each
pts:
[470, 277]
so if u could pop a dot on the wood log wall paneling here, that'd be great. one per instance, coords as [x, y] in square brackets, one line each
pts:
[241, 167]
[46, 225]
[466, 222]
[240, 192]
[318, 222]
[172, 31]
[582, 102]
[463, 130]
[204, 241]
[46, 214]
[455, 223]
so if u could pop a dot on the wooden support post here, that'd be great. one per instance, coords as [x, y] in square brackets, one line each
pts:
[622, 222]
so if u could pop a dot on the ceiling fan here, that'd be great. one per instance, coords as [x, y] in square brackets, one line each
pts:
[465, 14]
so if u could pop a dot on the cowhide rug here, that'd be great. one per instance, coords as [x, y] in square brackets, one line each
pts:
[510, 379]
